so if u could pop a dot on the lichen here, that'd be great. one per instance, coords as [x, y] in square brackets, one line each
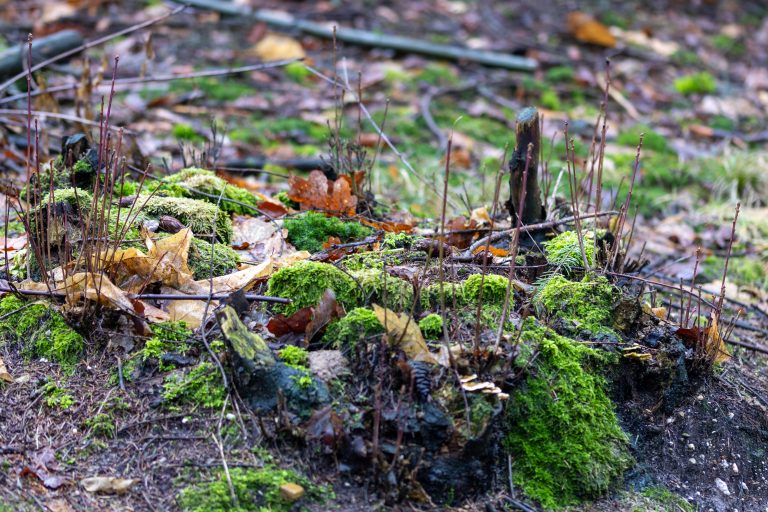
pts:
[431, 326]
[43, 331]
[382, 288]
[200, 386]
[257, 490]
[358, 325]
[224, 260]
[310, 230]
[305, 282]
[565, 439]
[197, 215]
[586, 303]
[564, 251]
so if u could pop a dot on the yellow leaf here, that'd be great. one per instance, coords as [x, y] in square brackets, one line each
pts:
[715, 343]
[279, 47]
[404, 330]
[4, 375]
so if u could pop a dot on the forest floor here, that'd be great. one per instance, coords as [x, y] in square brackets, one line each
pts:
[365, 425]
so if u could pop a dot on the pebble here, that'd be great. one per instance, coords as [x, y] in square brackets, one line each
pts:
[700, 397]
[744, 487]
[691, 446]
[722, 487]
[692, 460]
[735, 469]
[291, 492]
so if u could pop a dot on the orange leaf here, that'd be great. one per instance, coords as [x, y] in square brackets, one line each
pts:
[389, 227]
[496, 251]
[317, 193]
[587, 29]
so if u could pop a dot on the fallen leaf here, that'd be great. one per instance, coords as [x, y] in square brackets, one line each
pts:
[58, 505]
[297, 323]
[318, 193]
[480, 216]
[278, 47]
[404, 330]
[4, 374]
[464, 238]
[107, 484]
[587, 29]
[324, 313]
[325, 426]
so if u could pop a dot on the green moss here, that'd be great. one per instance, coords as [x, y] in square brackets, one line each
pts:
[560, 74]
[685, 58]
[101, 425]
[564, 251]
[382, 288]
[662, 499]
[436, 73]
[42, 330]
[373, 260]
[295, 357]
[586, 304]
[217, 89]
[357, 325]
[565, 439]
[282, 196]
[200, 386]
[297, 72]
[310, 230]
[697, 83]
[305, 283]
[185, 132]
[57, 396]
[257, 490]
[399, 240]
[167, 337]
[431, 326]
[197, 215]
[454, 294]
[203, 184]
[550, 100]
[494, 288]
[651, 139]
[225, 259]
[728, 45]
[127, 188]
[742, 271]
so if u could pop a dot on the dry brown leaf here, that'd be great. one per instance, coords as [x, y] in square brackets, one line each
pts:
[587, 29]
[4, 374]
[278, 47]
[404, 330]
[715, 344]
[317, 193]
[107, 484]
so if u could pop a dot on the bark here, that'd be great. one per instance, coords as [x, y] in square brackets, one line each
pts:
[527, 131]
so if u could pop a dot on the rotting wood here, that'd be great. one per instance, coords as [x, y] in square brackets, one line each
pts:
[528, 133]
[14, 59]
[286, 21]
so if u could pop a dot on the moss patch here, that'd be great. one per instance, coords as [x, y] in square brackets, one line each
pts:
[356, 326]
[697, 83]
[225, 259]
[305, 283]
[586, 303]
[564, 436]
[494, 288]
[197, 215]
[205, 185]
[200, 386]
[431, 326]
[168, 337]
[564, 251]
[385, 289]
[295, 357]
[43, 330]
[257, 490]
[310, 230]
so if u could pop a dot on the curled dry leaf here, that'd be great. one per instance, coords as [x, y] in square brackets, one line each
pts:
[404, 330]
[587, 29]
[107, 484]
[317, 193]
[4, 374]
[278, 47]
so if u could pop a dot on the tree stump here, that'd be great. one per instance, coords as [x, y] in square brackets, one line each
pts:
[527, 131]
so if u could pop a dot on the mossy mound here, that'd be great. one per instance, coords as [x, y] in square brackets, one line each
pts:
[566, 442]
[431, 326]
[356, 326]
[197, 215]
[199, 386]
[564, 250]
[305, 283]
[42, 329]
[494, 288]
[454, 295]
[224, 259]
[257, 490]
[203, 184]
[382, 288]
[167, 337]
[310, 230]
[586, 304]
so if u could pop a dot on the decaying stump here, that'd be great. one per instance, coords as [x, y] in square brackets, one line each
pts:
[528, 133]
[259, 377]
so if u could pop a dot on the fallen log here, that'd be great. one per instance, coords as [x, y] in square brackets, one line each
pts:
[286, 21]
[14, 59]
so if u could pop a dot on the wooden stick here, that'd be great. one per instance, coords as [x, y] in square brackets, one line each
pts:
[286, 21]
[527, 131]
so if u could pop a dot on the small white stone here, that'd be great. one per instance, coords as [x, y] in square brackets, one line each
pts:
[700, 397]
[730, 415]
[692, 460]
[724, 464]
[230, 416]
[722, 487]
[735, 469]
[691, 446]
[670, 420]
[681, 414]
[744, 487]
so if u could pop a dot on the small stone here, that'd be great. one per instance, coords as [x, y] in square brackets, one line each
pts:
[692, 460]
[670, 420]
[744, 487]
[700, 397]
[681, 414]
[722, 487]
[735, 469]
[230, 416]
[328, 364]
[291, 492]
[691, 446]
[730, 415]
